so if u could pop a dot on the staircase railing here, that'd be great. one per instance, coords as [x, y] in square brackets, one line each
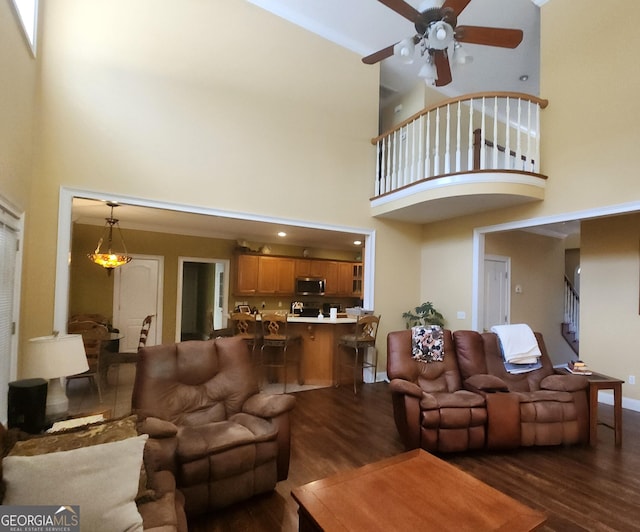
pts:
[571, 309]
[473, 133]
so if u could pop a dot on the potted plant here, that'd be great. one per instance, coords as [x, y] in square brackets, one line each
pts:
[425, 314]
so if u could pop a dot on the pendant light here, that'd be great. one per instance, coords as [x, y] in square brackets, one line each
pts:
[110, 259]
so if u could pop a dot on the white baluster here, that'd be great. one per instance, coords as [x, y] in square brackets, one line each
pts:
[519, 135]
[436, 156]
[376, 185]
[427, 158]
[470, 151]
[407, 160]
[494, 162]
[536, 165]
[447, 143]
[458, 154]
[420, 166]
[483, 157]
[529, 136]
[507, 143]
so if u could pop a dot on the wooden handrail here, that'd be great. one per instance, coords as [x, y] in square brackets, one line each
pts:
[477, 145]
[542, 103]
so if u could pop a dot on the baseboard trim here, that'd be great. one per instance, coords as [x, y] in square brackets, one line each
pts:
[606, 397]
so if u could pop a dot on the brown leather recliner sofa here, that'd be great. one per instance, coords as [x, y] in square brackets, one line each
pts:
[534, 408]
[223, 440]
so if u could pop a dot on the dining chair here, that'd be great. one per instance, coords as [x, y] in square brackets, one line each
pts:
[93, 336]
[115, 359]
[276, 339]
[362, 338]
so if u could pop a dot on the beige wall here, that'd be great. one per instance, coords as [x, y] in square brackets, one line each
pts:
[208, 104]
[589, 133]
[17, 109]
[609, 297]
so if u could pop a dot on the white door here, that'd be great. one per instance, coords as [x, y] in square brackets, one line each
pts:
[496, 291]
[137, 292]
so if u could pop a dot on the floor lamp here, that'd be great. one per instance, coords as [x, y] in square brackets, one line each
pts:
[53, 357]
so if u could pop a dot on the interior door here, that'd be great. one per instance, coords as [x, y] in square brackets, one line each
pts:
[497, 284]
[137, 292]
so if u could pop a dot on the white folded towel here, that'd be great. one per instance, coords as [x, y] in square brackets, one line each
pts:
[519, 344]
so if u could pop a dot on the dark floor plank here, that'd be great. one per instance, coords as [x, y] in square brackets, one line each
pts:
[579, 488]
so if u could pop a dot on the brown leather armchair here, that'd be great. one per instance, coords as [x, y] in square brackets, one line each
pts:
[534, 408]
[431, 409]
[223, 439]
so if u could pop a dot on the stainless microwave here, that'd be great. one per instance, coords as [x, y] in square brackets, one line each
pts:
[310, 286]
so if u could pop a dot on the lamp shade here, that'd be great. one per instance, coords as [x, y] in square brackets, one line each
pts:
[52, 357]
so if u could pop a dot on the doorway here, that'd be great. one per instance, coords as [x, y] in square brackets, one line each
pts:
[203, 289]
[497, 284]
[137, 293]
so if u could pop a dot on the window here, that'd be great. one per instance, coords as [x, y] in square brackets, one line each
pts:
[28, 14]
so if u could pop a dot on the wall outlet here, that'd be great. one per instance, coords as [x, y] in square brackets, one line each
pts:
[632, 379]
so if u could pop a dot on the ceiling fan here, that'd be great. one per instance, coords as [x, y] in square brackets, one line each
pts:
[437, 31]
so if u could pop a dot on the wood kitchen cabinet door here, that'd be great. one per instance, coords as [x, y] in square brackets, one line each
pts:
[275, 275]
[331, 275]
[345, 278]
[246, 274]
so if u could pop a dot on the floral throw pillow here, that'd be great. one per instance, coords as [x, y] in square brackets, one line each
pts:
[427, 343]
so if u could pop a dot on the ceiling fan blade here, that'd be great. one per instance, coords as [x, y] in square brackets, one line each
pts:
[457, 5]
[378, 56]
[403, 9]
[503, 37]
[442, 67]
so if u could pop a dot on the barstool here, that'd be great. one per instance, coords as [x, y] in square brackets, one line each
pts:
[363, 337]
[246, 327]
[276, 338]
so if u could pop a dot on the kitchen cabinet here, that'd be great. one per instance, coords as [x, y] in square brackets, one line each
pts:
[345, 278]
[267, 275]
[246, 274]
[276, 275]
[263, 275]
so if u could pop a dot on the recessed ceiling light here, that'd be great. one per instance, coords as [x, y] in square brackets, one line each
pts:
[282, 233]
[524, 77]
[357, 242]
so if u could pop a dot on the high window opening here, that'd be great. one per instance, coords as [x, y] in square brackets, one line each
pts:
[27, 11]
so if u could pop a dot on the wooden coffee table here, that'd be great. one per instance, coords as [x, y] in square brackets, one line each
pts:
[411, 491]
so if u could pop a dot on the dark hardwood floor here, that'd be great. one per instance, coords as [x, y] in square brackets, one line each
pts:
[579, 488]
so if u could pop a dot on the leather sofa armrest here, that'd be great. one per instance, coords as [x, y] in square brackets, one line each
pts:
[564, 383]
[157, 428]
[268, 406]
[405, 387]
[485, 383]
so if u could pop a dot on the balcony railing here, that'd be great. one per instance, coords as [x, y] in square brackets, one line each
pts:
[474, 133]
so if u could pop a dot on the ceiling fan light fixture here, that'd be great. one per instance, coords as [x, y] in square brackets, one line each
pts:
[110, 259]
[440, 35]
[404, 50]
[460, 55]
[428, 72]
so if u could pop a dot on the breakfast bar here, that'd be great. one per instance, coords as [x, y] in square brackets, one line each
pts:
[319, 346]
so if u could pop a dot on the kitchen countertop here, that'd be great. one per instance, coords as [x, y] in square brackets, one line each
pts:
[326, 319]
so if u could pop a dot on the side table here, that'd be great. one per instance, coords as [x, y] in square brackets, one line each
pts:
[597, 382]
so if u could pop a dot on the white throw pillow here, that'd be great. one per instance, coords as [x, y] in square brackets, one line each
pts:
[101, 479]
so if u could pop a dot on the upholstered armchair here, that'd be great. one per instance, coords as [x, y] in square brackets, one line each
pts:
[431, 409]
[223, 439]
[537, 407]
